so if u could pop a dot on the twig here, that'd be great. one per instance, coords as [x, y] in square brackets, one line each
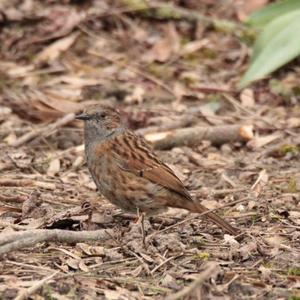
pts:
[206, 274]
[193, 136]
[16, 198]
[212, 89]
[43, 131]
[163, 263]
[222, 192]
[35, 287]
[14, 226]
[27, 183]
[15, 241]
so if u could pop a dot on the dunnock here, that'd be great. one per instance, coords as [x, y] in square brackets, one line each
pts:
[127, 171]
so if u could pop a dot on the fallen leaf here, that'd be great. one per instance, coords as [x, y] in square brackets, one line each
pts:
[231, 241]
[147, 257]
[61, 20]
[10, 139]
[265, 272]
[247, 98]
[137, 271]
[72, 263]
[194, 46]
[295, 217]
[166, 46]
[248, 250]
[260, 141]
[52, 52]
[244, 8]
[210, 204]
[293, 122]
[137, 96]
[260, 182]
[19, 71]
[54, 167]
[82, 266]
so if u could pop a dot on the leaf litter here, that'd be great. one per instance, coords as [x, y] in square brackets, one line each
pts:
[164, 73]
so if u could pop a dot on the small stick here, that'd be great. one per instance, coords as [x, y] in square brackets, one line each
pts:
[193, 136]
[163, 263]
[206, 274]
[43, 131]
[15, 241]
[27, 183]
[35, 287]
[16, 198]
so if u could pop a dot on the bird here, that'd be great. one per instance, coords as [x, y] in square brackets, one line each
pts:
[128, 172]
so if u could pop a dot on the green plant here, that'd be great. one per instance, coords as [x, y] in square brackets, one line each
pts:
[277, 43]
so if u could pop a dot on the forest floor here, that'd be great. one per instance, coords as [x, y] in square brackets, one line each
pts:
[164, 68]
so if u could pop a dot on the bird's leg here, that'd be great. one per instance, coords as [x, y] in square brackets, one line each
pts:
[141, 219]
[143, 228]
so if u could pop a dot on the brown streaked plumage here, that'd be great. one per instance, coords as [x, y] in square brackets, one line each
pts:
[127, 171]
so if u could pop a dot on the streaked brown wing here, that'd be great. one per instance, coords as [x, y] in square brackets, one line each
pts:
[134, 155]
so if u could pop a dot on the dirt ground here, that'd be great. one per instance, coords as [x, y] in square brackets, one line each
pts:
[165, 68]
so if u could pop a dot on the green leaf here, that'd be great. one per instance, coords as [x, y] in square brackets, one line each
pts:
[282, 47]
[267, 14]
[271, 30]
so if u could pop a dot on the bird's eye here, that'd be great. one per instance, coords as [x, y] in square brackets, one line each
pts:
[102, 115]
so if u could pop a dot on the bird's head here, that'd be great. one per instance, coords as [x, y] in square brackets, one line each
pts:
[100, 121]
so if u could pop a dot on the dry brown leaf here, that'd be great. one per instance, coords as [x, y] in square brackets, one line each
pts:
[210, 204]
[78, 162]
[293, 122]
[166, 46]
[10, 139]
[84, 247]
[295, 217]
[53, 51]
[112, 294]
[247, 98]
[137, 96]
[60, 103]
[161, 51]
[147, 257]
[248, 250]
[231, 241]
[90, 249]
[244, 8]
[54, 167]
[19, 71]
[260, 141]
[260, 182]
[74, 81]
[137, 271]
[194, 46]
[265, 272]
[61, 20]
[277, 241]
[82, 266]
[72, 263]
[251, 204]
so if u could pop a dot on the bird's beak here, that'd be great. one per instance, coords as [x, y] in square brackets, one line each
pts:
[83, 117]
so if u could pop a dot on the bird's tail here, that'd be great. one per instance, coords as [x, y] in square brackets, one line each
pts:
[199, 208]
